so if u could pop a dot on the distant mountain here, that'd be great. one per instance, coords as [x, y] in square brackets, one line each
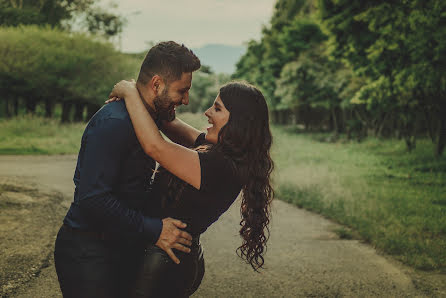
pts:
[221, 58]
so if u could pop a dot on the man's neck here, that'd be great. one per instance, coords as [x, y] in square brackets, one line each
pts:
[146, 104]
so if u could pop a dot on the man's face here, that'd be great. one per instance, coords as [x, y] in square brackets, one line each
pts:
[173, 95]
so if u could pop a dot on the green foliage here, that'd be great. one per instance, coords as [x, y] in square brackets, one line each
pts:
[285, 10]
[62, 14]
[48, 64]
[249, 67]
[263, 62]
[377, 63]
[308, 81]
[51, 12]
[299, 36]
[288, 64]
[100, 22]
[397, 45]
[11, 16]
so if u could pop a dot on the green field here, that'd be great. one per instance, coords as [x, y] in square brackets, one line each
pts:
[37, 135]
[382, 194]
[391, 198]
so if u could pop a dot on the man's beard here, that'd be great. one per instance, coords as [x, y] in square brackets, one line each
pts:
[164, 106]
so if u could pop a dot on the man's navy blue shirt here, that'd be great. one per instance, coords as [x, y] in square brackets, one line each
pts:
[112, 178]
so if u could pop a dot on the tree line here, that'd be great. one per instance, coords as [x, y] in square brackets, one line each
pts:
[63, 14]
[45, 62]
[50, 66]
[356, 67]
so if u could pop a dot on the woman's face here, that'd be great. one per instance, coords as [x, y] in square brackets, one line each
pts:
[218, 116]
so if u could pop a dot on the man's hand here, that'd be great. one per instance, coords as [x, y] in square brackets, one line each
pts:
[172, 237]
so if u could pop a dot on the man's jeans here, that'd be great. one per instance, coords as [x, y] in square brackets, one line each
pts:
[87, 266]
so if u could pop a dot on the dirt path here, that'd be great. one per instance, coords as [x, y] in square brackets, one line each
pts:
[305, 258]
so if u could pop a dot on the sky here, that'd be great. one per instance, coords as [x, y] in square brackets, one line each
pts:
[192, 22]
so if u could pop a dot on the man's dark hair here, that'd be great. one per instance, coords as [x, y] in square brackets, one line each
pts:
[168, 60]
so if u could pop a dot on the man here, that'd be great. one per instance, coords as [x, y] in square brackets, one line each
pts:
[104, 232]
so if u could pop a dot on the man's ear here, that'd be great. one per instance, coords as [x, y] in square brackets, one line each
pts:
[157, 84]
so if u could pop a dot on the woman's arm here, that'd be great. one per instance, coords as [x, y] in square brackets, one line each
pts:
[180, 161]
[180, 132]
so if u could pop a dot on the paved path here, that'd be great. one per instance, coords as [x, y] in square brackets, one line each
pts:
[305, 258]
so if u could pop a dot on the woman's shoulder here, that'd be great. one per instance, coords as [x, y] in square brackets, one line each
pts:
[201, 140]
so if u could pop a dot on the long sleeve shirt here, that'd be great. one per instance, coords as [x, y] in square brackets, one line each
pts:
[112, 178]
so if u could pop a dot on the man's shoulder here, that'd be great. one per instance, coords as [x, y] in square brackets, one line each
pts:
[113, 110]
[112, 116]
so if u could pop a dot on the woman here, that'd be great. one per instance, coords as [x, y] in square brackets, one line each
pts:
[200, 184]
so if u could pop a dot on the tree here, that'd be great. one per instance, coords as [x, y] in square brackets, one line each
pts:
[63, 14]
[52, 66]
[53, 11]
[308, 87]
[264, 60]
[397, 45]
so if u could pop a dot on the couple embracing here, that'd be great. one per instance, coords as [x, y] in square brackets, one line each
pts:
[132, 231]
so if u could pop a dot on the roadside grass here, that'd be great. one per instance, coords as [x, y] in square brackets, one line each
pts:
[393, 199]
[384, 195]
[37, 135]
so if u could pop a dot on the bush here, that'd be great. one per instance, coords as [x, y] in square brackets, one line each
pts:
[46, 64]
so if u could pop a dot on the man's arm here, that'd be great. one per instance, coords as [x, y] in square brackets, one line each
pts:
[104, 148]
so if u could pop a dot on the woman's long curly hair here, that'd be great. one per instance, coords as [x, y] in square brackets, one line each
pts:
[246, 139]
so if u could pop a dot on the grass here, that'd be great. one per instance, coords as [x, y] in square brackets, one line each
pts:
[33, 135]
[37, 135]
[393, 199]
[388, 197]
